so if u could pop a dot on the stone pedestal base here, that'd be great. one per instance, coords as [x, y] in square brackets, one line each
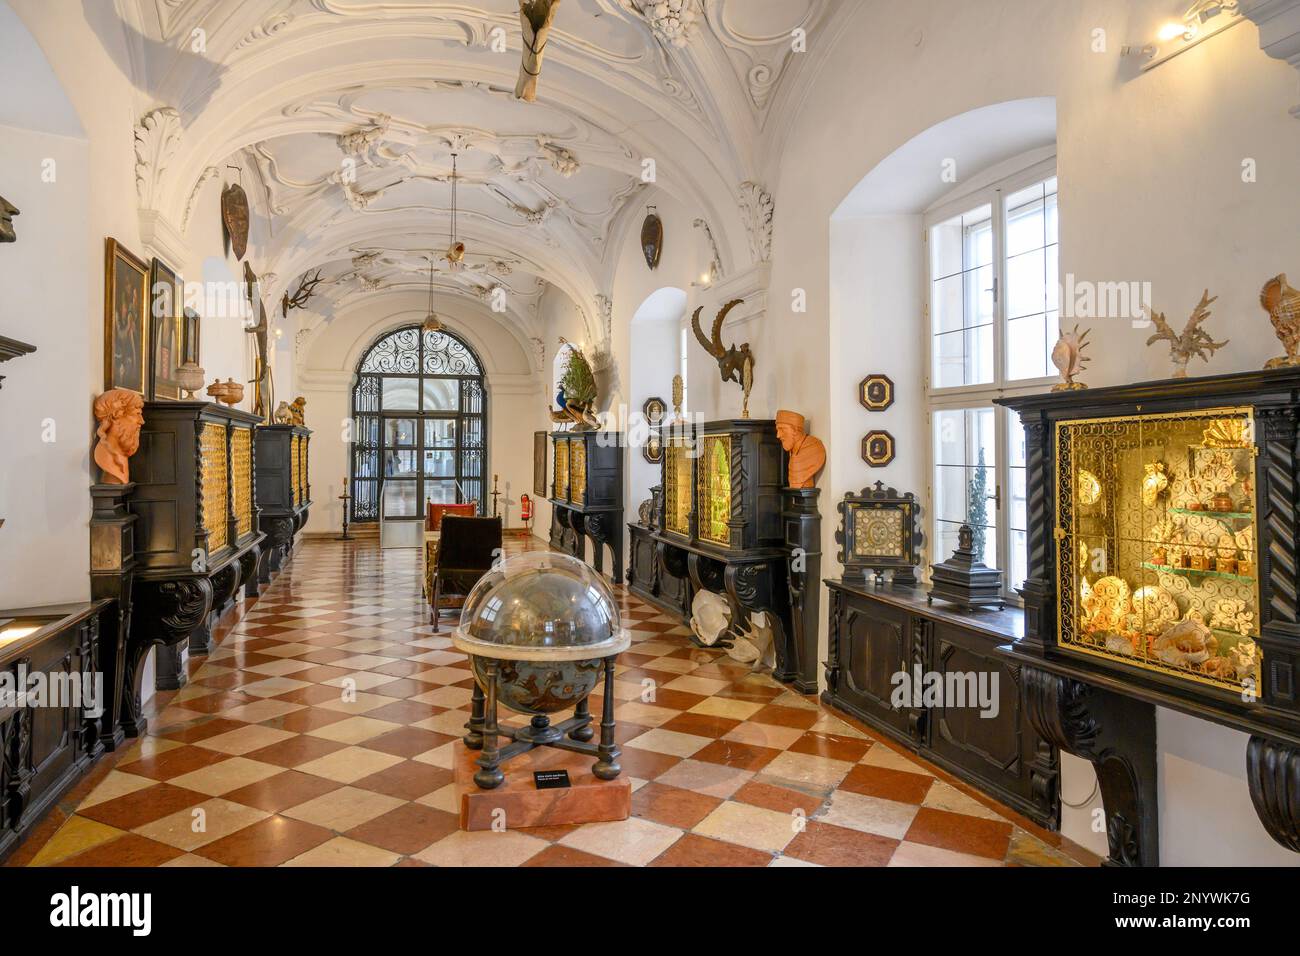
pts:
[517, 804]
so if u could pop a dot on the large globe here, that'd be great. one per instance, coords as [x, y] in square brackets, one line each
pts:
[550, 621]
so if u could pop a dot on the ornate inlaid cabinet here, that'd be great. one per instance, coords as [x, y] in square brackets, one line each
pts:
[729, 526]
[1163, 527]
[48, 743]
[197, 533]
[587, 495]
[283, 489]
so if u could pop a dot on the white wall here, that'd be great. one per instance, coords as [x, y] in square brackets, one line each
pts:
[46, 426]
[1151, 190]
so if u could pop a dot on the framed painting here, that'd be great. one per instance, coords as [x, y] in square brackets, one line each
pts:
[191, 326]
[126, 320]
[539, 464]
[166, 335]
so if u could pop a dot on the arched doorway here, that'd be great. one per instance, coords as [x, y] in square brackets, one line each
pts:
[420, 425]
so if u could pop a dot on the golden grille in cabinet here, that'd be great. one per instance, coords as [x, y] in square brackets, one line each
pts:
[577, 472]
[296, 473]
[715, 490]
[1157, 557]
[306, 468]
[677, 489]
[215, 481]
[241, 485]
[561, 469]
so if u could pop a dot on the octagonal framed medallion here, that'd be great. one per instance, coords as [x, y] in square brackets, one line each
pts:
[876, 392]
[878, 449]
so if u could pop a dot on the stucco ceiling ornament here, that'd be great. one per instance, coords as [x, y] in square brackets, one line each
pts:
[758, 209]
[361, 143]
[673, 21]
[157, 137]
[563, 161]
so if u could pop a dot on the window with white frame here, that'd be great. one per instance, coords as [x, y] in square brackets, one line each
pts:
[993, 320]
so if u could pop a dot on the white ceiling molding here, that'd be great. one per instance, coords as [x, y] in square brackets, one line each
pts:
[1279, 30]
[157, 137]
[758, 209]
[347, 111]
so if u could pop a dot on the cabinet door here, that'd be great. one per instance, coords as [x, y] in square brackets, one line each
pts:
[980, 725]
[873, 649]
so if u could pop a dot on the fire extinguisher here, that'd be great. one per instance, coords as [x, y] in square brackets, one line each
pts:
[526, 509]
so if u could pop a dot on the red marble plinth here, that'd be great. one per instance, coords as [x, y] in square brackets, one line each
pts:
[587, 800]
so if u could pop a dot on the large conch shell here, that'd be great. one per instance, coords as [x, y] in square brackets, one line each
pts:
[1069, 359]
[1282, 303]
[1245, 659]
[1154, 482]
[1154, 609]
[1188, 643]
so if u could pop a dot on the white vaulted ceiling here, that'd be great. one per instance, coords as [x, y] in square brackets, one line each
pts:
[345, 114]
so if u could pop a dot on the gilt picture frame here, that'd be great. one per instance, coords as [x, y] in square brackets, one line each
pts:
[127, 360]
[166, 331]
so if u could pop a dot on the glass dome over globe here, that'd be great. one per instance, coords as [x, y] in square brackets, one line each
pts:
[547, 620]
[541, 606]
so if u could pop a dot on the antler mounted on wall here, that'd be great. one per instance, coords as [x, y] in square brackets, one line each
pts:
[735, 364]
[306, 289]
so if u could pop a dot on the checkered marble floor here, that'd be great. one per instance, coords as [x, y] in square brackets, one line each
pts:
[728, 768]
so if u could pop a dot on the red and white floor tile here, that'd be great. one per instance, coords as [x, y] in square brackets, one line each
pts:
[728, 768]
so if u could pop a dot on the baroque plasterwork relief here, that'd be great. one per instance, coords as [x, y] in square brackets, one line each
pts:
[354, 175]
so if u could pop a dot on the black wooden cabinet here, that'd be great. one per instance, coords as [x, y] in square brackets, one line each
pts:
[878, 634]
[1095, 459]
[587, 496]
[197, 534]
[283, 489]
[48, 744]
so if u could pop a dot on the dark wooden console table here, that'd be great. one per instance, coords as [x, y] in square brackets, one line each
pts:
[877, 633]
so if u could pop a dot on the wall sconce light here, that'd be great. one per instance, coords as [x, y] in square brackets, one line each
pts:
[1204, 19]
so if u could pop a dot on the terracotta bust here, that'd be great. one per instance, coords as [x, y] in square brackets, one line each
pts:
[807, 454]
[120, 413]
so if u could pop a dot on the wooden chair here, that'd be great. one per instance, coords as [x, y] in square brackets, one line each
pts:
[467, 549]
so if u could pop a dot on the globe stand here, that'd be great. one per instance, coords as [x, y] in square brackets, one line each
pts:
[484, 731]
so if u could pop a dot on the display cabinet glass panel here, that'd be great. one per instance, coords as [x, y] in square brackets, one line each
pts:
[561, 469]
[212, 445]
[677, 488]
[715, 489]
[241, 485]
[577, 472]
[1156, 546]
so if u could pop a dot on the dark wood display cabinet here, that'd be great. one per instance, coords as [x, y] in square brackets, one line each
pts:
[283, 490]
[196, 535]
[728, 525]
[982, 734]
[49, 741]
[1162, 571]
[587, 496]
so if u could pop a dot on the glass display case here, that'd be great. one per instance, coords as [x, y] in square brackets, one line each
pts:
[678, 488]
[560, 470]
[715, 489]
[577, 472]
[1156, 544]
[722, 484]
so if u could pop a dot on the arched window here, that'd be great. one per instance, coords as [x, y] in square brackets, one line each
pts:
[420, 425]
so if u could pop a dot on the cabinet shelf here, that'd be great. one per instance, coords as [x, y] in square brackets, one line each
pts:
[1190, 572]
[1204, 512]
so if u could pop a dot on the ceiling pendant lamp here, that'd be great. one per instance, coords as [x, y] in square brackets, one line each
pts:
[456, 250]
[431, 321]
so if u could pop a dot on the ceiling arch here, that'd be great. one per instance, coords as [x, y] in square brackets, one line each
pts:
[348, 111]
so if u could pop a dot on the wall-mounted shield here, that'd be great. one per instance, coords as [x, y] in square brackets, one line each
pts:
[234, 216]
[652, 238]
